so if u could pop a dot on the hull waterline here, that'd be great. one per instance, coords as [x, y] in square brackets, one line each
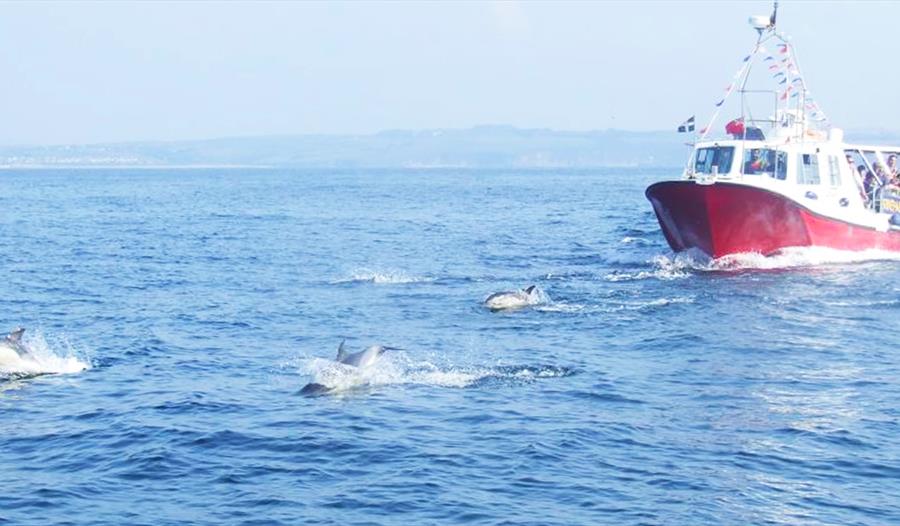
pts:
[726, 218]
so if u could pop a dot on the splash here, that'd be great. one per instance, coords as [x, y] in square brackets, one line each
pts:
[398, 369]
[42, 357]
[664, 268]
[380, 278]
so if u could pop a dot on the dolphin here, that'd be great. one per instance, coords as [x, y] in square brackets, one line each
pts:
[12, 351]
[361, 360]
[512, 299]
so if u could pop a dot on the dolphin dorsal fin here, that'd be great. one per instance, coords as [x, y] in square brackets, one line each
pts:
[341, 352]
[530, 289]
[15, 336]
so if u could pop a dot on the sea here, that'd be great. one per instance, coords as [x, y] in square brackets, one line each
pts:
[173, 317]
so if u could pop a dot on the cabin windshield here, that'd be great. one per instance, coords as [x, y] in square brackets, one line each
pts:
[719, 157]
[759, 161]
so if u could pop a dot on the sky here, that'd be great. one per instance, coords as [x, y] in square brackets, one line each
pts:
[89, 72]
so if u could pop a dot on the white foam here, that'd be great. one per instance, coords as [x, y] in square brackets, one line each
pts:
[561, 306]
[684, 264]
[794, 257]
[677, 267]
[386, 277]
[397, 369]
[44, 358]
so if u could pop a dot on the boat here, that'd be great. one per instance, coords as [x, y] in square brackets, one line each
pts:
[781, 178]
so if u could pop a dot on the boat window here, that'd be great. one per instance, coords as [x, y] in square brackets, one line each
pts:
[834, 170]
[718, 156]
[808, 169]
[765, 161]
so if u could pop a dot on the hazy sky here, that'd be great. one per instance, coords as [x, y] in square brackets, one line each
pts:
[95, 72]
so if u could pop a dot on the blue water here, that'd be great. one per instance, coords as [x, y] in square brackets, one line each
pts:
[643, 389]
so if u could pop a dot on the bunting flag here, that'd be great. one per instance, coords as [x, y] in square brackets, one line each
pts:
[688, 126]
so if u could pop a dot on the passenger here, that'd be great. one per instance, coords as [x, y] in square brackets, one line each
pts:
[870, 184]
[892, 165]
[880, 173]
[894, 182]
[757, 162]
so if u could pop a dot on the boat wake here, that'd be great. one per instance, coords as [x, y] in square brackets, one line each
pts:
[398, 369]
[688, 263]
[58, 357]
[796, 257]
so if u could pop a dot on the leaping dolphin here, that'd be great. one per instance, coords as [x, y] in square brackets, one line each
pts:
[12, 351]
[512, 299]
[361, 360]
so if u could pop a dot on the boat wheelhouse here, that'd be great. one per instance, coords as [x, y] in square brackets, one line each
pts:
[785, 180]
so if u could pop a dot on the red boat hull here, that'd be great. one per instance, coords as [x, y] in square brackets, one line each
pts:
[726, 218]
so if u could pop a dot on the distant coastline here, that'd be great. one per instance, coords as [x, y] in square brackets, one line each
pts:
[478, 147]
[471, 148]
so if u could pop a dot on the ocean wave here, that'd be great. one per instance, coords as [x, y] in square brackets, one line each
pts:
[55, 357]
[633, 240]
[580, 308]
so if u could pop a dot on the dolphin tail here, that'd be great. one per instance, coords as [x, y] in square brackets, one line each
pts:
[341, 354]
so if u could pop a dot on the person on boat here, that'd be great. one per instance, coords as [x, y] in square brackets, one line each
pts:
[852, 163]
[757, 162]
[894, 182]
[892, 166]
[870, 184]
[883, 177]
